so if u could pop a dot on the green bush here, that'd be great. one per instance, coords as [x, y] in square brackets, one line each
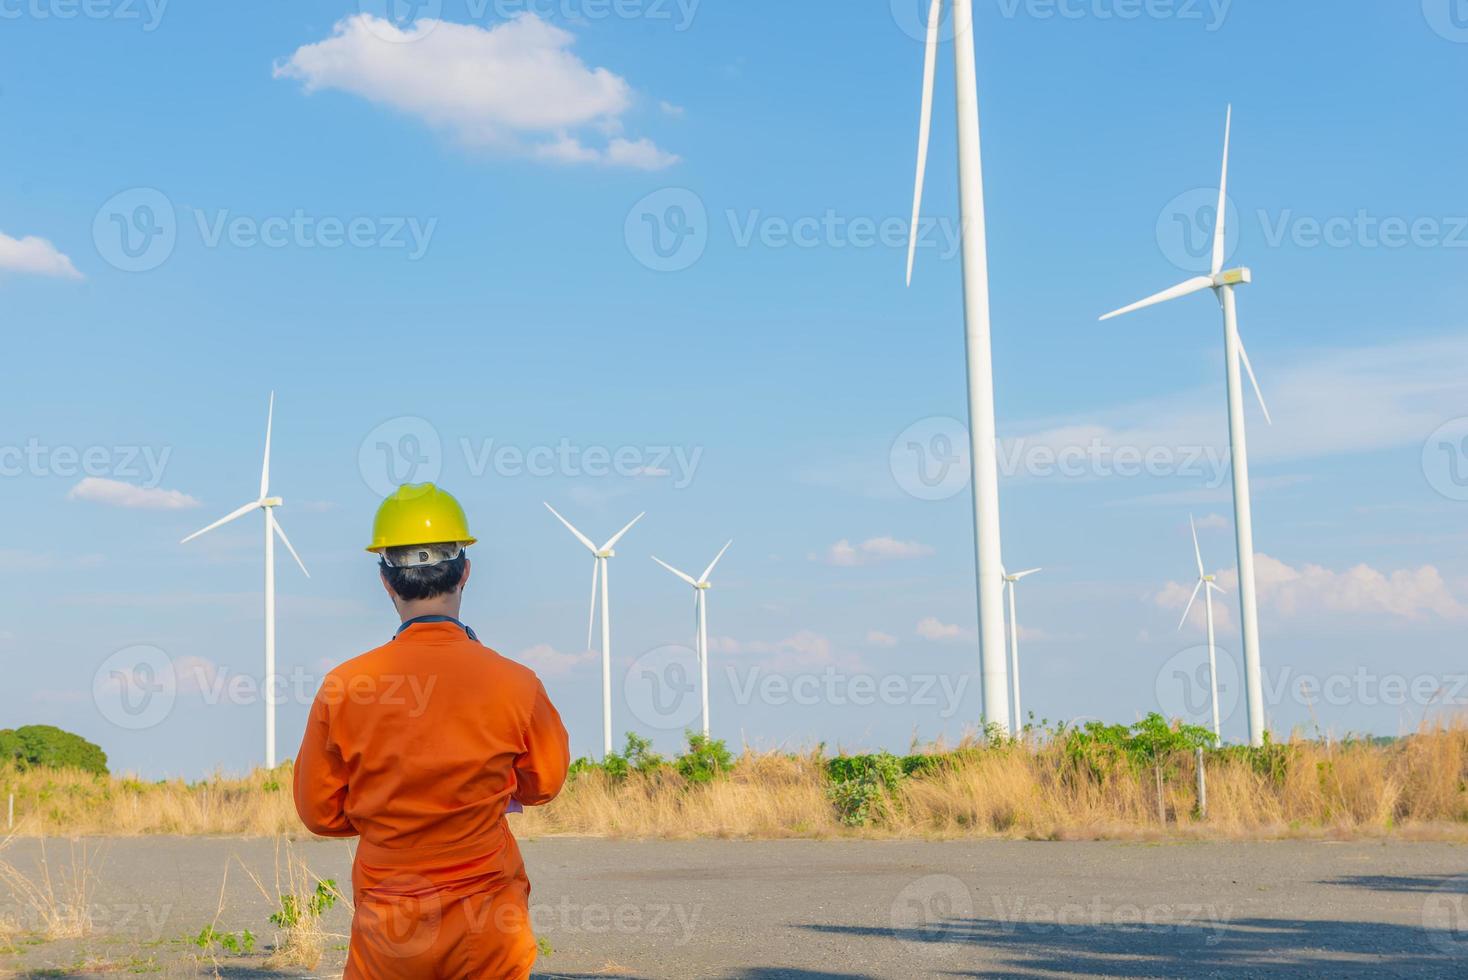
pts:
[46, 746]
[862, 785]
[706, 758]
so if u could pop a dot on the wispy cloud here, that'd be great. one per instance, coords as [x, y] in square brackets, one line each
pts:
[547, 661]
[116, 493]
[35, 256]
[933, 628]
[515, 87]
[844, 554]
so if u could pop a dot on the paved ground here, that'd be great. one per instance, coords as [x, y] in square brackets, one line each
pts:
[841, 910]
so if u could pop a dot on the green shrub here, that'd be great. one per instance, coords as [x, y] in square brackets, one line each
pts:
[705, 759]
[46, 746]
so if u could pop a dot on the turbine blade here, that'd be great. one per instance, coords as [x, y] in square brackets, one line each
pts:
[1019, 575]
[618, 536]
[709, 571]
[685, 577]
[280, 533]
[1184, 621]
[1197, 551]
[591, 616]
[1215, 588]
[231, 516]
[1194, 285]
[925, 127]
[1220, 226]
[1258, 393]
[579, 536]
[265, 467]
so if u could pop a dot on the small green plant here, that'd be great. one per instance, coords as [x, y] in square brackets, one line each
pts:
[862, 786]
[543, 945]
[705, 759]
[230, 942]
[291, 913]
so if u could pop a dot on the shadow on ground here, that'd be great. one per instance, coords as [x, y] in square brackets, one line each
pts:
[1228, 946]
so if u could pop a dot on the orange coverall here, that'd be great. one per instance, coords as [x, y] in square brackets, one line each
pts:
[418, 746]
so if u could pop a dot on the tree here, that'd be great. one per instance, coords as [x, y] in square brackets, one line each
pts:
[46, 746]
[1155, 742]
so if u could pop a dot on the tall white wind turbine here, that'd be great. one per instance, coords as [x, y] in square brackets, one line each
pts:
[983, 449]
[701, 586]
[1009, 583]
[599, 569]
[1207, 585]
[1222, 283]
[265, 502]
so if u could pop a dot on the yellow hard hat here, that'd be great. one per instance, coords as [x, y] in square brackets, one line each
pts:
[419, 513]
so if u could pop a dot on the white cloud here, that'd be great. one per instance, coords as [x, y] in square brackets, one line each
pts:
[844, 554]
[195, 675]
[879, 639]
[804, 650]
[933, 628]
[514, 87]
[547, 661]
[1214, 522]
[34, 256]
[669, 109]
[116, 493]
[1315, 591]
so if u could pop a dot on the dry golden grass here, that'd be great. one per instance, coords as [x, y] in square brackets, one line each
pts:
[57, 901]
[1413, 787]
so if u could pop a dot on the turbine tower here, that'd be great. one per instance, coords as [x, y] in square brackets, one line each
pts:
[1009, 583]
[1206, 582]
[265, 502]
[701, 586]
[599, 568]
[1222, 283]
[983, 449]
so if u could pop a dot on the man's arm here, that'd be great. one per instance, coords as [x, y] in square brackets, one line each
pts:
[321, 779]
[540, 771]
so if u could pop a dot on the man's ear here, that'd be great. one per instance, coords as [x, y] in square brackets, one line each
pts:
[465, 578]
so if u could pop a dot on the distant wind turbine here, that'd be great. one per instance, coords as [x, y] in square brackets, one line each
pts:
[599, 569]
[1222, 283]
[983, 448]
[265, 502]
[701, 585]
[1206, 582]
[1009, 583]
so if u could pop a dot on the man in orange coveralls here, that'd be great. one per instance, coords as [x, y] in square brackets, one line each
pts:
[419, 747]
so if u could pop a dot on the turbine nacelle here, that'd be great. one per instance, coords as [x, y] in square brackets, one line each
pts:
[272, 502]
[1241, 276]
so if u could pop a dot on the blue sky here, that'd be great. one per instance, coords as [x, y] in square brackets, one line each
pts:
[501, 162]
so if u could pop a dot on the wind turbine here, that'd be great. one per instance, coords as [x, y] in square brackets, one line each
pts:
[1206, 582]
[701, 585]
[1009, 583]
[983, 448]
[265, 502]
[1222, 283]
[599, 568]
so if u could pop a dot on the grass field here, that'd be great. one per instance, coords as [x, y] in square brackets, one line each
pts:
[1049, 786]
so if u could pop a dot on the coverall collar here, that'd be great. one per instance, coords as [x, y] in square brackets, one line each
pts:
[420, 620]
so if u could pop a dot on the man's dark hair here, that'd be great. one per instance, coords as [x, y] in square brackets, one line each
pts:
[425, 581]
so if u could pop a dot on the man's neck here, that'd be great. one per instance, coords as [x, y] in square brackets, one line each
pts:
[437, 606]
